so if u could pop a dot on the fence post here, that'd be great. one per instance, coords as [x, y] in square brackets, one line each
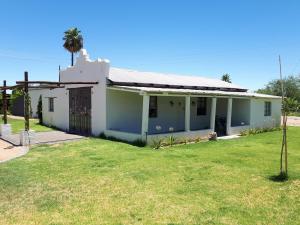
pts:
[26, 99]
[4, 104]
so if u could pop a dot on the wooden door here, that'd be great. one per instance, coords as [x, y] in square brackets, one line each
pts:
[80, 110]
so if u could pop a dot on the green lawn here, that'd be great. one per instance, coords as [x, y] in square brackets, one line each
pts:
[18, 125]
[97, 181]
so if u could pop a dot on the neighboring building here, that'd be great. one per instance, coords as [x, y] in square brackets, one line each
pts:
[133, 105]
[17, 106]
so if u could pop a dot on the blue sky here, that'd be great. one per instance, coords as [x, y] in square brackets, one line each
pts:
[207, 38]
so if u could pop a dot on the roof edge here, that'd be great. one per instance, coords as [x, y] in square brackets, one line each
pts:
[130, 84]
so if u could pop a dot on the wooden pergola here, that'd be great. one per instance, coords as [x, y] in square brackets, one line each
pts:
[25, 85]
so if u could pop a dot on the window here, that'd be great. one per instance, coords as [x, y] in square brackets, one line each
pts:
[201, 106]
[153, 107]
[51, 104]
[267, 108]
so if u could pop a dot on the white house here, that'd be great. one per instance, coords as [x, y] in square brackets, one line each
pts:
[132, 105]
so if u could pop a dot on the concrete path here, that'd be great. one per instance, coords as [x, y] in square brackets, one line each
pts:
[293, 121]
[8, 151]
[48, 137]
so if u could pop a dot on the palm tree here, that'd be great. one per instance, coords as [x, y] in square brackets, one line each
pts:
[226, 78]
[73, 42]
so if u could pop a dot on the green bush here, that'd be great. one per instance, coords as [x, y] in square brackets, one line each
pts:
[253, 131]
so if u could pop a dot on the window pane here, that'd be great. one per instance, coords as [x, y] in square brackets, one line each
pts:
[267, 111]
[51, 104]
[153, 107]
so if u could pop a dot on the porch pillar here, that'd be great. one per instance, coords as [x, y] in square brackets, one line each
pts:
[145, 116]
[187, 113]
[229, 112]
[213, 113]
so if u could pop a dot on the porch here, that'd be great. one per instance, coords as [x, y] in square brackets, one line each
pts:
[149, 115]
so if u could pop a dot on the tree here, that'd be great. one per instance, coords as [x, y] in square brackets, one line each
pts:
[226, 77]
[39, 111]
[73, 42]
[291, 87]
[291, 90]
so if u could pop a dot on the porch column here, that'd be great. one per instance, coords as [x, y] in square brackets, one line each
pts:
[145, 116]
[229, 112]
[213, 113]
[187, 113]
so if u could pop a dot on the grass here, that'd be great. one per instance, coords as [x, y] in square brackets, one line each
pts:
[18, 125]
[96, 181]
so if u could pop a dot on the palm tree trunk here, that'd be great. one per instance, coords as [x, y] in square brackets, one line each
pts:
[72, 59]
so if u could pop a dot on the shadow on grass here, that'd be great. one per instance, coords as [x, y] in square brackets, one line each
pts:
[281, 177]
[136, 143]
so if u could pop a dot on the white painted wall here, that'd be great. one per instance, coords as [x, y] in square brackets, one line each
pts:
[168, 115]
[240, 112]
[200, 122]
[257, 118]
[60, 117]
[84, 70]
[34, 98]
[124, 111]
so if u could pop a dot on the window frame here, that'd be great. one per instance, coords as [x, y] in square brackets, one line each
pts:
[50, 104]
[153, 107]
[267, 108]
[201, 106]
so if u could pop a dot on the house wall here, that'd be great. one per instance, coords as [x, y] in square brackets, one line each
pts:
[124, 111]
[240, 112]
[17, 108]
[257, 118]
[34, 99]
[200, 122]
[168, 115]
[60, 117]
[84, 70]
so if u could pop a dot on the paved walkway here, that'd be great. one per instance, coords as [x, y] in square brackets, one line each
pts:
[10, 147]
[293, 121]
[8, 151]
[45, 137]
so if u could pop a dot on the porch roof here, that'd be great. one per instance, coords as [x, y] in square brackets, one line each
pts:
[174, 91]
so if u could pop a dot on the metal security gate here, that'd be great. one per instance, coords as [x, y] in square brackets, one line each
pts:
[80, 110]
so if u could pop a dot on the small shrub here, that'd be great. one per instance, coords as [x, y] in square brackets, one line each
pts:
[157, 143]
[197, 139]
[253, 131]
[244, 132]
[172, 140]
